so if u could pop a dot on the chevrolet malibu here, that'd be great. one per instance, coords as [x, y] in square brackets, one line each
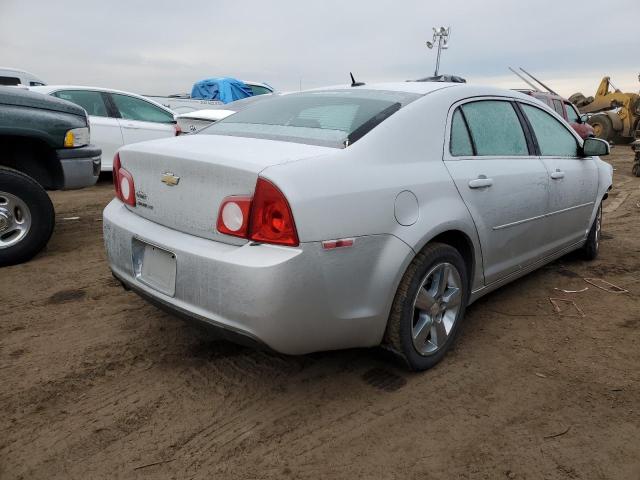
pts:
[354, 216]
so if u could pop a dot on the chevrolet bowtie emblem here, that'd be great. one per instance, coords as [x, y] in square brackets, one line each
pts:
[168, 178]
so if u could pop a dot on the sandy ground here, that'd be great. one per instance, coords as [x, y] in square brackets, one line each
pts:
[96, 383]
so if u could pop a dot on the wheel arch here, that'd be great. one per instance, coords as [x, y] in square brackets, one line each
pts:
[459, 240]
[34, 157]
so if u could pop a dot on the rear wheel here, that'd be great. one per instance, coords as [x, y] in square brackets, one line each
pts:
[602, 127]
[26, 217]
[428, 307]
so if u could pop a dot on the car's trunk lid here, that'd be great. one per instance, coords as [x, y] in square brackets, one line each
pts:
[180, 182]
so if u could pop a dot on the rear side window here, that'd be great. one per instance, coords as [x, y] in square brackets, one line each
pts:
[553, 138]
[460, 145]
[132, 108]
[495, 128]
[91, 101]
[557, 106]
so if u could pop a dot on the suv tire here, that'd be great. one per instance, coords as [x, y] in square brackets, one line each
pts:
[26, 217]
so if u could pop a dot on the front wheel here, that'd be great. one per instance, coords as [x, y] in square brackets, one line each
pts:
[592, 245]
[428, 307]
[26, 217]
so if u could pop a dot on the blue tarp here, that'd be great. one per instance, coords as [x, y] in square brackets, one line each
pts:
[225, 89]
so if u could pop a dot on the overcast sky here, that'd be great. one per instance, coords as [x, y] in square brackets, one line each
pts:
[162, 47]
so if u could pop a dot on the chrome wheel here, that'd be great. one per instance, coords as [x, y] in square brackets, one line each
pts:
[15, 220]
[435, 308]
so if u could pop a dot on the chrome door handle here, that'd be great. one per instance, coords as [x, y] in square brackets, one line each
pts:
[131, 127]
[558, 174]
[481, 182]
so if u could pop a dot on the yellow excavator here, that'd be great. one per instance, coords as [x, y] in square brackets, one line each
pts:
[616, 115]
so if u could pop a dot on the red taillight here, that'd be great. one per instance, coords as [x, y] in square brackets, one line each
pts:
[233, 217]
[265, 218]
[123, 183]
[271, 219]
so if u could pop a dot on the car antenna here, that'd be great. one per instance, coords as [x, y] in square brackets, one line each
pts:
[525, 80]
[354, 83]
[548, 89]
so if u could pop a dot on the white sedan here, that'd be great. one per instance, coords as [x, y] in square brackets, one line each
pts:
[117, 118]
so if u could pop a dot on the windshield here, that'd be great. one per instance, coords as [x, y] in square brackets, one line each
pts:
[334, 118]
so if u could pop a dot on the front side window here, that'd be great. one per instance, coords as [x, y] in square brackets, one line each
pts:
[91, 101]
[495, 128]
[334, 118]
[553, 138]
[572, 115]
[132, 108]
[460, 145]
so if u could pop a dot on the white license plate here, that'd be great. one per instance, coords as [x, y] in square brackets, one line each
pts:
[155, 267]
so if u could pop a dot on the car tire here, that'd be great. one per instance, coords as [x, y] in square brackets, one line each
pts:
[26, 217]
[635, 170]
[592, 245]
[428, 307]
[602, 126]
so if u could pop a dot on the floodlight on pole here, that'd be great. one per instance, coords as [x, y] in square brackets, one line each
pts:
[441, 37]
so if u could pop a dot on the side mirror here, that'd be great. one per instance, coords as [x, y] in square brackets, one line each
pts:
[584, 118]
[595, 147]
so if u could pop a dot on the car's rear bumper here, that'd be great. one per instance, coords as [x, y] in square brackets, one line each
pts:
[80, 166]
[294, 300]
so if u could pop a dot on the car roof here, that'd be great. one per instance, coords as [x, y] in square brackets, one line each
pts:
[54, 88]
[424, 88]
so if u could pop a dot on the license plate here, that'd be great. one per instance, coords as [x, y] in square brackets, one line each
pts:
[155, 267]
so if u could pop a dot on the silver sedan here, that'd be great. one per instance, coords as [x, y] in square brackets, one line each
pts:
[354, 216]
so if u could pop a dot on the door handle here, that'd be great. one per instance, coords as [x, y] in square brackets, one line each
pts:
[131, 126]
[558, 174]
[481, 182]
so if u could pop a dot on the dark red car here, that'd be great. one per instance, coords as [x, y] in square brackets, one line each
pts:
[565, 109]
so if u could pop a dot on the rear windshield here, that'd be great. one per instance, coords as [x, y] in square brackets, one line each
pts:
[335, 118]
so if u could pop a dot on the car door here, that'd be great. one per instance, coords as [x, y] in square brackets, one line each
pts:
[501, 180]
[141, 120]
[105, 129]
[573, 181]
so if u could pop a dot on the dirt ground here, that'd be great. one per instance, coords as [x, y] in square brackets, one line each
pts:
[96, 383]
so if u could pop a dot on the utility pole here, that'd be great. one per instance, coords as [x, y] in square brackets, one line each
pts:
[441, 37]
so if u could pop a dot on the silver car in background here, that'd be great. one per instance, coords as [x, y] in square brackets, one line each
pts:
[354, 216]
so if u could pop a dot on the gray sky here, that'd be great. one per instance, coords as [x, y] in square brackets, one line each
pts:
[162, 47]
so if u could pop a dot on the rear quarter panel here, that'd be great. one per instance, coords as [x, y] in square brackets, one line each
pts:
[353, 191]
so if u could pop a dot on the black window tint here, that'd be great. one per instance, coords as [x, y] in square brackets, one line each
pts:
[9, 81]
[460, 141]
[553, 138]
[495, 128]
[572, 115]
[92, 102]
[132, 108]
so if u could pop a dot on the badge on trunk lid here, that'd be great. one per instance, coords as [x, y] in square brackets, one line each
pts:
[168, 178]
